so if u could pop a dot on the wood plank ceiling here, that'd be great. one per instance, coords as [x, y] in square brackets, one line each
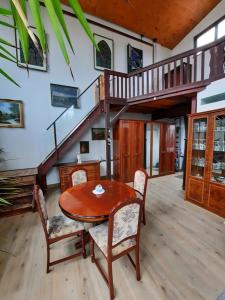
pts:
[168, 21]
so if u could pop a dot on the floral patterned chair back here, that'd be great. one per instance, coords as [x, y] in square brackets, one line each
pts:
[41, 206]
[124, 221]
[140, 181]
[78, 177]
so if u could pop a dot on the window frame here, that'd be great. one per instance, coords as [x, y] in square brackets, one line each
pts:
[214, 24]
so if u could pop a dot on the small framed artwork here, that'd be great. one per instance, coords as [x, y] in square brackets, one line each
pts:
[98, 134]
[134, 58]
[64, 96]
[11, 113]
[104, 58]
[84, 147]
[37, 61]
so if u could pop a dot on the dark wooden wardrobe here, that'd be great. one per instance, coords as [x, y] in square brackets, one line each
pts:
[128, 149]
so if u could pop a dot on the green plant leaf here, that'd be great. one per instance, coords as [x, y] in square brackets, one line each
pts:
[7, 58]
[22, 31]
[81, 17]
[55, 25]
[4, 74]
[6, 51]
[4, 202]
[3, 41]
[7, 24]
[58, 10]
[5, 12]
[36, 13]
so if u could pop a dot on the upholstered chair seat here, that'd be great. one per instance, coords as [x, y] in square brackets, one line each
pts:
[57, 228]
[117, 237]
[99, 234]
[60, 225]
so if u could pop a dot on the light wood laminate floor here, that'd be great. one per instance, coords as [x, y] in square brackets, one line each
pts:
[182, 255]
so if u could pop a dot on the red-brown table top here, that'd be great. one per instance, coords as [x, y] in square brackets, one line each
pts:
[81, 204]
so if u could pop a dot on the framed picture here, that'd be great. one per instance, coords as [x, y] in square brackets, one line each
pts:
[11, 113]
[37, 61]
[64, 96]
[84, 147]
[134, 58]
[104, 59]
[98, 134]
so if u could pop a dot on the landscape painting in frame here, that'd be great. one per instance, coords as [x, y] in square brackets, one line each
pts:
[134, 58]
[64, 96]
[37, 61]
[98, 134]
[11, 113]
[104, 58]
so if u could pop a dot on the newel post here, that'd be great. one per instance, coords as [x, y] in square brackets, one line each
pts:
[107, 122]
[217, 61]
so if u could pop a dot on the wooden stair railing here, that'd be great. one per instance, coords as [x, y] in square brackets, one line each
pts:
[72, 136]
[182, 72]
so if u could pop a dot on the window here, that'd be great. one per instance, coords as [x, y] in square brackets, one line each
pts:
[210, 34]
[221, 29]
[206, 38]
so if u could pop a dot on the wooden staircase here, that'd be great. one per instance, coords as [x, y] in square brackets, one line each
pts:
[70, 139]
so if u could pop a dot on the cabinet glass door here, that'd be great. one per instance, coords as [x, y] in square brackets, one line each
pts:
[218, 163]
[198, 147]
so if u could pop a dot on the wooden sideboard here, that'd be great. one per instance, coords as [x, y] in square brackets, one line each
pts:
[66, 169]
[23, 200]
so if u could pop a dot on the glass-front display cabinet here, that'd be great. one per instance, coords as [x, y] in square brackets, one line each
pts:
[218, 163]
[198, 147]
[205, 169]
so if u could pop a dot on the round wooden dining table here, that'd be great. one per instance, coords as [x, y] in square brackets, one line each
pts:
[81, 204]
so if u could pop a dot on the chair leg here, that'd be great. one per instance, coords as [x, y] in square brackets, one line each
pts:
[143, 219]
[137, 262]
[92, 246]
[83, 244]
[110, 279]
[48, 258]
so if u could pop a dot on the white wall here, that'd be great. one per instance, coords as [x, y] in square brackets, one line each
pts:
[27, 147]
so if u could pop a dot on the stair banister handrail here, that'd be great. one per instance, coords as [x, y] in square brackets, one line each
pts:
[178, 56]
[168, 60]
[52, 124]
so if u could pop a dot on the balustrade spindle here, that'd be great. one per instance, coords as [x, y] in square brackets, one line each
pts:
[202, 65]
[142, 78]
[163, 77]
[181, 71]
[152, 77]
[117, 86]
[195, 67]
[148, 82]
[169, 76]
[188, 70]
[157, 79]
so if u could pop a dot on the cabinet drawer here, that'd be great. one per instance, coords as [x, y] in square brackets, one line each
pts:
[195, 190]
[216, 199]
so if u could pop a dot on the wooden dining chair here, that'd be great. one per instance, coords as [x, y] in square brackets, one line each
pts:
[57, 228]
[118, 237]
[79, 176]
[140, 186]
